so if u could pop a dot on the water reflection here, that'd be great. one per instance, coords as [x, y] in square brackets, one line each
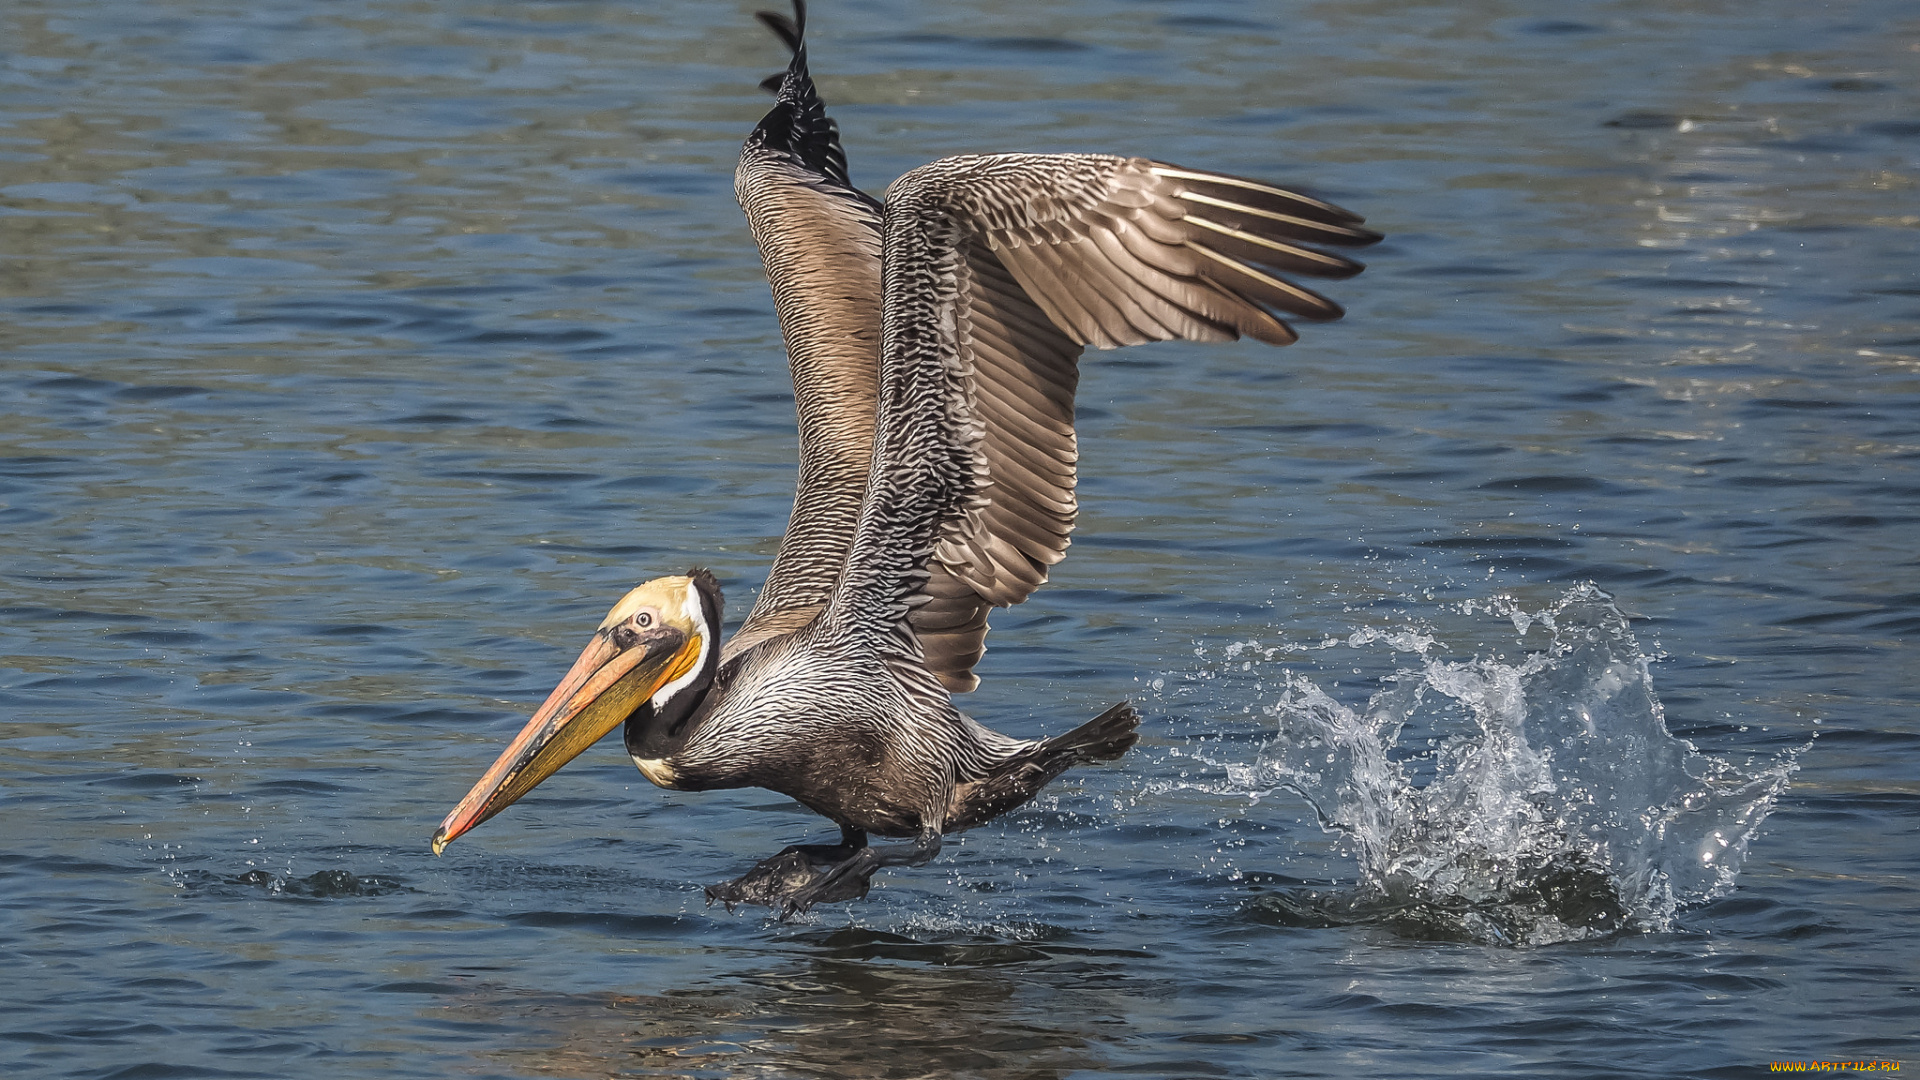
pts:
[841, 1003]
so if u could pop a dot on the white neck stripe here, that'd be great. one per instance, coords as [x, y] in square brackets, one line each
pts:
[696, 613]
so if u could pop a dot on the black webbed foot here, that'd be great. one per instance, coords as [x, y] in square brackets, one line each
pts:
[859, 867]
[808, 874]
[773, 880]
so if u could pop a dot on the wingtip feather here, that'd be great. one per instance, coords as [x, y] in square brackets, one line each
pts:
[791, 30]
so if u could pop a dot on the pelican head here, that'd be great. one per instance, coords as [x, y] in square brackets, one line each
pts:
[656, 650]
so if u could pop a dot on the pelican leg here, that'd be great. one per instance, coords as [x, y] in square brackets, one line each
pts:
[853, 876]
[777, 877]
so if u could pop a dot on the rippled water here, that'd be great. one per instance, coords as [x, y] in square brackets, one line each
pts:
[358, 355]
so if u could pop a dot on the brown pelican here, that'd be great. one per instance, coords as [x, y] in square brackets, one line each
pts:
[934, 341]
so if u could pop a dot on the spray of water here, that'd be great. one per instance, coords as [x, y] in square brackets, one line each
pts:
[1520, 801]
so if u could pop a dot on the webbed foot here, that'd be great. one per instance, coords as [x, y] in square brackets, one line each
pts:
[774, 881]
[808, 874]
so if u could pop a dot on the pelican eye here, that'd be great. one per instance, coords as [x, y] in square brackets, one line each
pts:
[624, 637]
[643, 620]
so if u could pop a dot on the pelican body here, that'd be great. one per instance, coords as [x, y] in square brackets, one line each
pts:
[934, 341]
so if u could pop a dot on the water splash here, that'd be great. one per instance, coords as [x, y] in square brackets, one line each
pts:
[1516, 802]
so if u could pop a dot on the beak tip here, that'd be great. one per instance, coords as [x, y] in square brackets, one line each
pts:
[440, 840]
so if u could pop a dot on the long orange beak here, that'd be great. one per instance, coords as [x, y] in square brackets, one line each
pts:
[601, 690]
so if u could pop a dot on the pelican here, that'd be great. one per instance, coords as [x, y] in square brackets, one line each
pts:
[934, 341]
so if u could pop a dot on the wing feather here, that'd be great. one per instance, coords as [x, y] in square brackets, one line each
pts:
[819, 238]
[997, 271]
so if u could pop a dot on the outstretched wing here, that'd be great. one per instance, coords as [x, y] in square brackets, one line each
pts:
[820, 240]
[998, 270]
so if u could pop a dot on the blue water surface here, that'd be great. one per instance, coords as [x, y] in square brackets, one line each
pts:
[358, 355]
